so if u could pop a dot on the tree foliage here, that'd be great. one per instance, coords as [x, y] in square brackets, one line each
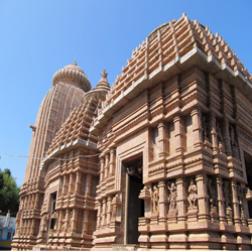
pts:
[9, 193]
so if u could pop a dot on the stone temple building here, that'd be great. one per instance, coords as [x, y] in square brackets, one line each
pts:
[161, 160]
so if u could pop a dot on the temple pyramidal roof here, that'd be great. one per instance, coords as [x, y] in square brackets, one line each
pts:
[168, 44]
[165, 46]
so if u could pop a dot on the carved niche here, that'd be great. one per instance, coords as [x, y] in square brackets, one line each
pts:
[172, 199]
[228, 201]
[155, 201]
[212, 198]
[192, 197]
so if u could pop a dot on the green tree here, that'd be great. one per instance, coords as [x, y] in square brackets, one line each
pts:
[9, 193]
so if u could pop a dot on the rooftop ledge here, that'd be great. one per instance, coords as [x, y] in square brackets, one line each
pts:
[65, 147]
[193, 57]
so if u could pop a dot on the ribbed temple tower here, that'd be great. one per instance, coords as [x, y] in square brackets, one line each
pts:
[69, 87]
[162, 160]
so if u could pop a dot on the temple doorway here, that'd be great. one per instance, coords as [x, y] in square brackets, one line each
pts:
[134, 205]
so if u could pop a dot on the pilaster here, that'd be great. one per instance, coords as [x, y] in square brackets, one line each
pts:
[162, 140]
[203, 211]
[220, 199]
[196, 124]
[178, 128]
[180, 184]
[162, 200]
[235, 201]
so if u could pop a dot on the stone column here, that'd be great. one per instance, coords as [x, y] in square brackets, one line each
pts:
[220, 199]
[181, 207]
[70, 183]
[108, 210]
[203, 210]
[214, 134]
[179, 134]
[77, 182]
[73, 221]
[66, 221]
[196, 124]
[106, 166]
[162, 140]
[88, 184]
[237, 217]
[102, 169]
[112, 162]
[162, 200]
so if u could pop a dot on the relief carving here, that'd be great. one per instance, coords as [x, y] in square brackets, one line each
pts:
[228, 203]
[212, 195]
[192, 196]
[155, 200]
[172, 200]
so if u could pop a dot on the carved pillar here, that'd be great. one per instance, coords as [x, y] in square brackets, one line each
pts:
[88, 184]
[162, 200]
[106, 166]
[220, 199]
[179, 132]
[108, 210]
[162, 140]
[203, 210]
[73, 221]
[180, 184]
[112, 162]
[66, 220]
[77, 182]
[103, 219]
[102, 169]
[235, 201]
[214, 134]
[196, 124]
[70, 183]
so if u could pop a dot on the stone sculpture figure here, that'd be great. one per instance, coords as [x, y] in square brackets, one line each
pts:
[192, 195]
[212, 194]
[173, 195]
[172, 200]
[155, 200]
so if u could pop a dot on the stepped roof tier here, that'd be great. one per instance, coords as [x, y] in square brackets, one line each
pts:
[174, 43]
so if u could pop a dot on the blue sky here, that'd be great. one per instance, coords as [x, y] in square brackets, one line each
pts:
[40, 36]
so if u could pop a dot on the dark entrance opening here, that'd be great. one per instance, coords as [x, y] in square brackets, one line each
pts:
[135, 206]
[248, 164]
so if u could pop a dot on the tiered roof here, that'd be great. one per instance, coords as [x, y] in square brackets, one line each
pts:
[77, 124]
[167, 44]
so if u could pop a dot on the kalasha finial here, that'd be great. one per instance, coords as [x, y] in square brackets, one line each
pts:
[104, 74]
[103, 81]
[75, 62]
